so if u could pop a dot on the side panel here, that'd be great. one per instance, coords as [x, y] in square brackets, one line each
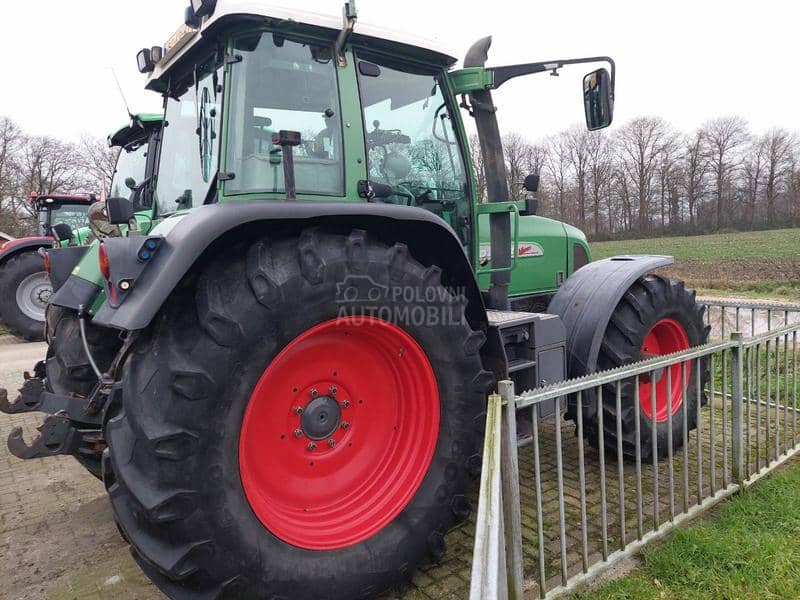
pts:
[186, 240]
[587, 300]
[541, 255]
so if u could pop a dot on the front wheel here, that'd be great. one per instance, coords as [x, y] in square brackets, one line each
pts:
[301, 422]
[26, 290]
[657, 316]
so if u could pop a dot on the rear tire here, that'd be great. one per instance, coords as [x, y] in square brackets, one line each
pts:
[26, 290]
[178, 445]
[650, 301]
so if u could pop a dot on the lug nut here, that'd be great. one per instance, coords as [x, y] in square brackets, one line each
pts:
[331, 443]
[314, 392]
[298, 410]
[332, 390]
[311, 447]
[346, 404]
[345, 425]
[298, 433]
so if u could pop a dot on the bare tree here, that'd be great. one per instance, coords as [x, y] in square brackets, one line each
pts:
[723, 138]
[578, 141]
[778, 145]
[753, 171]
[516, 152]
[695, 169]
[98, 160]
[477, 163]
[558, 167]
[600, 165]
[640, 144]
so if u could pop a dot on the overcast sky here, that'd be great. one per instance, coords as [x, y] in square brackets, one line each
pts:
[687, 61]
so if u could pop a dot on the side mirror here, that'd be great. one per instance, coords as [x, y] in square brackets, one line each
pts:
[63, 232]
[130, 183]
[531, 183]
[598, 99]
[120, 211]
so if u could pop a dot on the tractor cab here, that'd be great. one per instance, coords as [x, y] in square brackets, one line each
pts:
[62, 216]
[138, 154]
[376, 119]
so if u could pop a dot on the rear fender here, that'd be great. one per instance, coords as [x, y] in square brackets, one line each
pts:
[587, 300]
[207, 230]
[30, 244]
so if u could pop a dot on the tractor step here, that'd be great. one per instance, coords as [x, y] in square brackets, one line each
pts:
[534, 346]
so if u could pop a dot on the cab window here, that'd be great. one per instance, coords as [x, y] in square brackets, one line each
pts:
[411, 141]
[284, 84]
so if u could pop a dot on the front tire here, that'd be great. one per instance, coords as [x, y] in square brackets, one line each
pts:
[210, 467]
[656, 316]
[26, 290]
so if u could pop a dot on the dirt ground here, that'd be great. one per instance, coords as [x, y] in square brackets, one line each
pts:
[58, 538]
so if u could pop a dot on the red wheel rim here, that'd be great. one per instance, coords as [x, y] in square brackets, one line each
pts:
[665, 337]
[335, 494]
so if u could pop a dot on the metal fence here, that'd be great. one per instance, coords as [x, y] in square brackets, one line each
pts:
[557, 512]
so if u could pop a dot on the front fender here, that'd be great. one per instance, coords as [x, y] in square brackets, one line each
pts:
[187, 239]
[587, 300]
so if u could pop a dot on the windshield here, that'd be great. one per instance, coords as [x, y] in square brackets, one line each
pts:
[282, 84]
[71, 214]
[411, 142]
[189, 149]
[130, 165]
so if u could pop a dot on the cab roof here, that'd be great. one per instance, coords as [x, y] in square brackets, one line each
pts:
[233, 12]
[139, 127]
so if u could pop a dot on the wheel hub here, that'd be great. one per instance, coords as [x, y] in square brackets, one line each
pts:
[321, 418]
[33, 294]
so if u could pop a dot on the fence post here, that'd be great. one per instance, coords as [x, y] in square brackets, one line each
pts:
[488, 560]
[512, 512]
[737, 428]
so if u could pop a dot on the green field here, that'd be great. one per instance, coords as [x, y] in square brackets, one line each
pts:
[749, 549]
[757, 264]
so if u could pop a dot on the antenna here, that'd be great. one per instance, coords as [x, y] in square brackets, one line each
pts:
[121, 93]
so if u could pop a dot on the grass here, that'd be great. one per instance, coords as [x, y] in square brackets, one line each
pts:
[756, 290]
[750, 548]
[750, 264]
[774, 243]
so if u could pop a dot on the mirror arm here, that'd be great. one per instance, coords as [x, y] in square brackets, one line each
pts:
[503, 74]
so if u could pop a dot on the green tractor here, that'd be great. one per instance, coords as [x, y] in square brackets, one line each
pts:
[23, 274]
[308, 332]
[67, 370]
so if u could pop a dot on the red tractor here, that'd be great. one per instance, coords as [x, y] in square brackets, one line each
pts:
[24, 281]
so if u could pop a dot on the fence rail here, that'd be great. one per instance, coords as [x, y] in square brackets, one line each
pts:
[591, 489]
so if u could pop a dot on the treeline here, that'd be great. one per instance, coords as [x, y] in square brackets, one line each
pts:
[45, 164]
[647, 178]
